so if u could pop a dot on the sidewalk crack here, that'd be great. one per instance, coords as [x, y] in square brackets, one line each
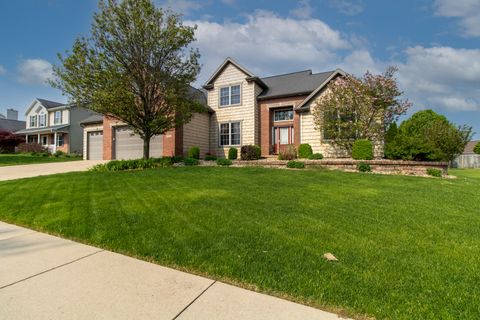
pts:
[51, 269]
[196, 298]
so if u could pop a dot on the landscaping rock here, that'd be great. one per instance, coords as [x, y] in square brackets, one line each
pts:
[330, 257]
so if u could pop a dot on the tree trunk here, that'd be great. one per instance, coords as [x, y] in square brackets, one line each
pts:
[146, 148]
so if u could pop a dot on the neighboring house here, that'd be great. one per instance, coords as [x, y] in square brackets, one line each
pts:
[55, 125]
[10, 122]
[468, 159]
[271, 112]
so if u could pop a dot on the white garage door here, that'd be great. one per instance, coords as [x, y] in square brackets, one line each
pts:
[130, 146]
[95, 145]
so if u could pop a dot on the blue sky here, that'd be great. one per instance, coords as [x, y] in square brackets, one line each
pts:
[435, 43]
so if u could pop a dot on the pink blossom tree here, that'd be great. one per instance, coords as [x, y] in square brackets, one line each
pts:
[359, 108]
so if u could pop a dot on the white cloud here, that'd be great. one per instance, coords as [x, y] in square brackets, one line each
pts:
[2, 70]
[467, 11]
[303, 11]
[269, 44]
[183, 6]
[442, 77]
[348, 7]
[34, 71]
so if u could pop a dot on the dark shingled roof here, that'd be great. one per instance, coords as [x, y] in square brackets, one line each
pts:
[469, 147]
[12, 125]
[297, 83]
[50, 104]
[95, 118]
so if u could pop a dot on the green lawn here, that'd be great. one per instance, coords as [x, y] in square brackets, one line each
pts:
[408, 247]
[16, 159]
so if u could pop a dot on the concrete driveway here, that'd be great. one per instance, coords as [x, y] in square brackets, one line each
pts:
[45, 277]
[42, 169]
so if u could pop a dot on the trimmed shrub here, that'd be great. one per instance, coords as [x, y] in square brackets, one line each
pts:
[190, 161]
[250, 152]
[177, 159]
[31, 148]
[305, 151]
[59, 153]
[316, 156]
[364, 167]
[288, 153]
[295, 164]
[209, 157]
[476, 149]
[9, 140]
[434, 172]
[224, 162]
[194, 153]
[232, 154]
[120, 165]
[138, 164]
[362, 150]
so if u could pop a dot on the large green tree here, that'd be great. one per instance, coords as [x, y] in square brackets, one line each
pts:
[136, 66]
[428, 136]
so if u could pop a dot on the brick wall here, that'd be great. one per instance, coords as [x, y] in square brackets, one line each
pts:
[266, 120]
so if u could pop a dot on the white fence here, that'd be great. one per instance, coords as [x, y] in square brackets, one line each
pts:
[467, 161]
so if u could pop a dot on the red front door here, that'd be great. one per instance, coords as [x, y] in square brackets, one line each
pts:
[281, 137]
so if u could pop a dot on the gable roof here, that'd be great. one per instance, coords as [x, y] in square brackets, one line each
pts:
[469, 147]
[250, 75]
[47, 104]
[304, 105]
[291, 84]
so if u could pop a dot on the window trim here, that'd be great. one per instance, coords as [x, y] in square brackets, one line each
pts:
[33, 118]
[229, 134]
[229, 95]
[44, 117]
[283, 109]
[338, 116]
[60, 135]
[55, 117]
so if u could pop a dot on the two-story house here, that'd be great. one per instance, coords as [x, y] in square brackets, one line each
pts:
[55, 125]
[244, 109]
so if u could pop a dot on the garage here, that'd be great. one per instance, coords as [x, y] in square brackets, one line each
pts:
[130, 146]
[95, 145]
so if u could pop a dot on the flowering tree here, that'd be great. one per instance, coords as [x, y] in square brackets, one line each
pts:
[359, 108]
[9, 140]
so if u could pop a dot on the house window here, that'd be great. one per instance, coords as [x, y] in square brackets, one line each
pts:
[344, 125]
[42, 120]
[230, 134]
[230, 96]
[283, 115]
[44, 140]
[58, 117]
[60, 140]
[33, 121]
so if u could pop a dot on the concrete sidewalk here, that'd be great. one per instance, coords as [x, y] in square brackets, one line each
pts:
[45, 277]
[42, 169]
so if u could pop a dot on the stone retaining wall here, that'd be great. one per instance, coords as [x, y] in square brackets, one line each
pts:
[379, 166]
